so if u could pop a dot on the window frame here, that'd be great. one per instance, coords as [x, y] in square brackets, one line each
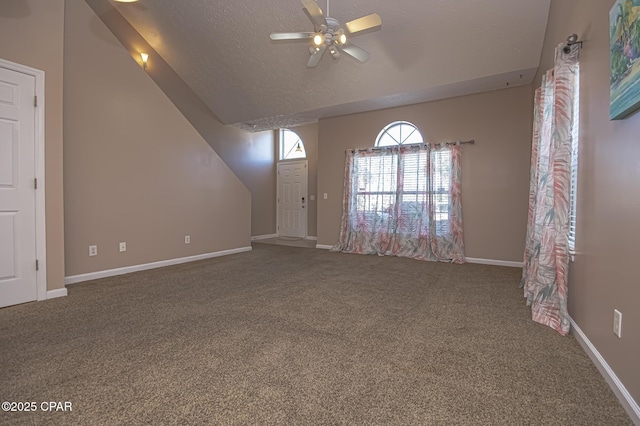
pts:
[281, 141]
[433, 194]
[386, 131]
[573, 188]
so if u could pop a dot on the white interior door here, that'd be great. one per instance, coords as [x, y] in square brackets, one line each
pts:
[292, 199]
[17, 188]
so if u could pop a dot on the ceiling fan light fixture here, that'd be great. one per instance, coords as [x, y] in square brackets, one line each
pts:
[342, 38]
[318, 40]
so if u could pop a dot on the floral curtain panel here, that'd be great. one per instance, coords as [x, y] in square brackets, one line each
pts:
[403, 201]
[546, 256]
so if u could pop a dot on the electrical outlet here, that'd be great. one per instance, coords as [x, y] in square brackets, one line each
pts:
[123, 247]
[312, 197]
[617, 323]
[93, 250]
[187, 239]
[325, 196]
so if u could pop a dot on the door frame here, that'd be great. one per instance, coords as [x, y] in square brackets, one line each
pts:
[306, 191]
[39, 160]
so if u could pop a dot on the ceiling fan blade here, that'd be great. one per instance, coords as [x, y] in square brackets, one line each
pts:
[356, 52]
[290, 36]
[364, 23]
[315, 57]
[315, 13]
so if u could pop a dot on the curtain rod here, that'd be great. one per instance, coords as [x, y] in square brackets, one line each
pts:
[470, 142]
[571, 40]
[379, 148]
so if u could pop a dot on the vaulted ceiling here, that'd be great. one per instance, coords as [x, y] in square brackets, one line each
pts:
[425, 50]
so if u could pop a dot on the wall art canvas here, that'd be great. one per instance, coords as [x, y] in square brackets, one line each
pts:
[624, 42]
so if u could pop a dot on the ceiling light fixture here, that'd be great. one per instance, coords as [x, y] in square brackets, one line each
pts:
[328, 34]
[298, 148]
[126, 1]
[145, 59]
[318, 40]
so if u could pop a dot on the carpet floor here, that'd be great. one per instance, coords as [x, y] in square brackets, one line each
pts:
[285, 335]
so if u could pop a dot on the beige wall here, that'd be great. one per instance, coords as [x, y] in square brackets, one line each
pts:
[495, 171]
[135, 168]
[249, 155]
[32, 34]
[604, 275]
[309, 135]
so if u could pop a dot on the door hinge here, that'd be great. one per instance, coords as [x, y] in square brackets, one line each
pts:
[35, 101]
[35, 183]
[37, 266]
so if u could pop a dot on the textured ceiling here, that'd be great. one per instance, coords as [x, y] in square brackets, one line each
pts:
[425, 50]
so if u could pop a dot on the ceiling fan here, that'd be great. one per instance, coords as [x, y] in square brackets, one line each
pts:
[329, 34]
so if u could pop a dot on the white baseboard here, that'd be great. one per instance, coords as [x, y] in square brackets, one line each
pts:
[59, 292]
[135, 268]
[323, 246]
[494, 262]
[311, 237]
[263, 237]
[625, 398]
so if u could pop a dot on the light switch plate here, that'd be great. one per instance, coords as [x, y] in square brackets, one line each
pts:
[617, 323]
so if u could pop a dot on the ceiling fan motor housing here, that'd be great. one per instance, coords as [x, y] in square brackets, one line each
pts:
[332, 32]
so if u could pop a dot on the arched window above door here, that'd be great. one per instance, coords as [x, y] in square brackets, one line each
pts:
[291, 145]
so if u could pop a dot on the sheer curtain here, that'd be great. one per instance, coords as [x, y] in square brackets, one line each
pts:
[403, 201]
[546, 256]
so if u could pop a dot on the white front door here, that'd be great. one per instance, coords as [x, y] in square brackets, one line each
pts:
[292, 199]
[17, 188]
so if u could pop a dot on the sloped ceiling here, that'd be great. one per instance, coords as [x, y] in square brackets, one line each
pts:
[425, 50]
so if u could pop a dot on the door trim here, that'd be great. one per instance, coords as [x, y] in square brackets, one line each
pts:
[306, 192]
[39, 160]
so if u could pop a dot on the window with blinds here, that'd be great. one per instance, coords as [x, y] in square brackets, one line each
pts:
[391, 184]
[575, 137]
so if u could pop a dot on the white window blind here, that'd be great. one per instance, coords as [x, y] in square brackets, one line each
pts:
[380, 187]
[575, 138]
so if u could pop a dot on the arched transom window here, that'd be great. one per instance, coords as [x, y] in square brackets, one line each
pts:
[291, 146]
[399, 133]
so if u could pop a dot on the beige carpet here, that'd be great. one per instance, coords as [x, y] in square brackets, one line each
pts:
[284, 335]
